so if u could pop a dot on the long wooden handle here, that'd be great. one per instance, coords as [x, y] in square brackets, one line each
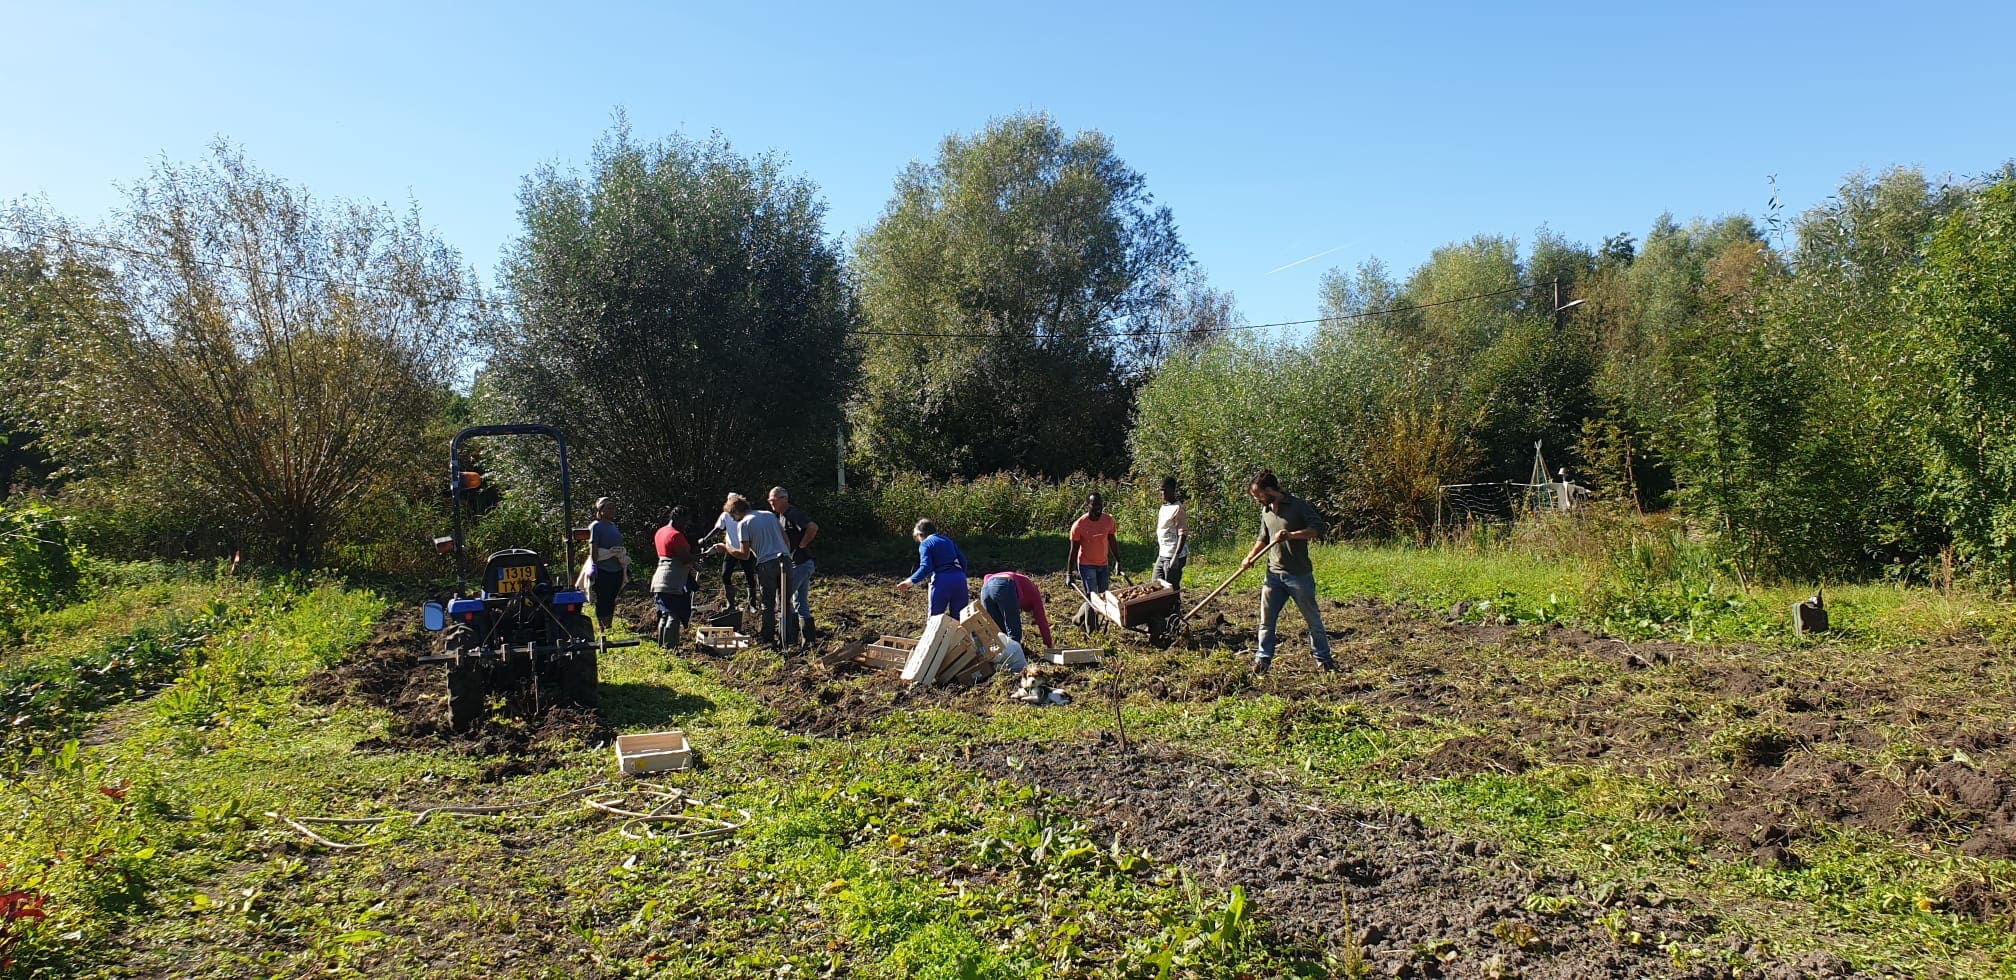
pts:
[1201, 603]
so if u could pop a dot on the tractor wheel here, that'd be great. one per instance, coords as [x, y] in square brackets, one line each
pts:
[468, 682]
[577, 674]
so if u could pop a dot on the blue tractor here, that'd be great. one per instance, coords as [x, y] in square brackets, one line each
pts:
[522, 633]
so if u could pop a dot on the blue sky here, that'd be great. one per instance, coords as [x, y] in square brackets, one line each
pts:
[1275, 132]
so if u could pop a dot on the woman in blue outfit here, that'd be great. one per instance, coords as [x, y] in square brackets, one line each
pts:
[939, 560]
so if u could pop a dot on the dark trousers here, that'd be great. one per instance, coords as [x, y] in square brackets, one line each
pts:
[1003, 602]
[675, 606]
[605, 586]
[770, 584]
[1170, 570]
[729, 566]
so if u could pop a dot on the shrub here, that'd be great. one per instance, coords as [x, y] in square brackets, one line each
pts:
[1003, 504]
[39, 565]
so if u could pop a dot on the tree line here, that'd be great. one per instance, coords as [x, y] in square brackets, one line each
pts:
[1829, 393]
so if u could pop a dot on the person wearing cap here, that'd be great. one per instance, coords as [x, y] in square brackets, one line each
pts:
[1006, 596]
[940, 561]
[764, 545]
[800, 529]
[608, 561]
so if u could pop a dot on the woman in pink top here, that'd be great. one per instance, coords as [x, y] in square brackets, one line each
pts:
[1006, 596]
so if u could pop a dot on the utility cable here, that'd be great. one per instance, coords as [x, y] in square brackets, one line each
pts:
[919, 334]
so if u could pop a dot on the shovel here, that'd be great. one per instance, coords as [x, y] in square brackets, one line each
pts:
[1182, 620]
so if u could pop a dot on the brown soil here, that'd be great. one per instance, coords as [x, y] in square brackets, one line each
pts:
[385, 675]
[1768, 747]
[1420, 902]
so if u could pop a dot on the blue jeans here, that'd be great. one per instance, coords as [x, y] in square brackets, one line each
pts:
[801, 592]
[1095, 578]
[1003, 602]
[948, 592]
[1275, 594]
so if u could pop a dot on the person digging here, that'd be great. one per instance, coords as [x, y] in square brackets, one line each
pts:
[1291, 523]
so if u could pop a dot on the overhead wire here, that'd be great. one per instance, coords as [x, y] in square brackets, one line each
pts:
[918, 334]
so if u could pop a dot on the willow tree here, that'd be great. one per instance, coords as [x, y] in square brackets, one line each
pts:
[680, 313]
[267, 358]
[1014, 294]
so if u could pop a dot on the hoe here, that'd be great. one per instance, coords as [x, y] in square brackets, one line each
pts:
[519, 629]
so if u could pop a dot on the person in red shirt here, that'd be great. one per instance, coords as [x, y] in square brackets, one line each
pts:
[1095, 550]
[1006, 596]
[672, 585]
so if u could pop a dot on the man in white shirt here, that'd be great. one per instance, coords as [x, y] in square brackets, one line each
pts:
[731, 541]
[763, 543]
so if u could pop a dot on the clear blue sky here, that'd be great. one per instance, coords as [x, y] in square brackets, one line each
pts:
[1275, 132]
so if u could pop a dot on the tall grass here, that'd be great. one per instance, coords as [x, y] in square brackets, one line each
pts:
[1000, 504]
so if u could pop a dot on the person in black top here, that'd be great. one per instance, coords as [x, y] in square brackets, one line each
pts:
[800, 529]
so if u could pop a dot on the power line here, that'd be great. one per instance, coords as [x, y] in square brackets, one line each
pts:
[920, 334]
[246, 270]
[1191, 332]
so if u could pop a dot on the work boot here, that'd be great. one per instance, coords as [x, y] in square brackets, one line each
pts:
[1261, 664]
[1329, 666]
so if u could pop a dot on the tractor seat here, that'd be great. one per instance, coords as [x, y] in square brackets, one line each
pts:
[517, 572]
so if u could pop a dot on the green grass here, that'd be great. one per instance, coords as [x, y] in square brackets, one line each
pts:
[1502, 585]
[873, 855]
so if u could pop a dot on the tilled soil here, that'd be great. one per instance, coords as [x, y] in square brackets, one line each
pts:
[385, 674]
[1419, 902]
[1771, 747]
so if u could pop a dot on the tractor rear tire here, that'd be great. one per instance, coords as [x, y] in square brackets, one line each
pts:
[468, 682]
[577, 674]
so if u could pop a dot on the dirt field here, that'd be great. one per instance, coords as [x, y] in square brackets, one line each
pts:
[1374, 818]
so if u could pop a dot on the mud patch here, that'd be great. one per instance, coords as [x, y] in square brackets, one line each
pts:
[1469, 754]
[1409, 889]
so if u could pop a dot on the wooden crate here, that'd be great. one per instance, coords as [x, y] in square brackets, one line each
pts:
[653, 752]
[940, 638]
[987, 636]
[1067, 656]
[721, 639]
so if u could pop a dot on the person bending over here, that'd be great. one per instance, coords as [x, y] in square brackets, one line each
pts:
[1006, 596]
[943, 564]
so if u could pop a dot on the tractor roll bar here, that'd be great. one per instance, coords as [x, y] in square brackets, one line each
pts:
[455, 487]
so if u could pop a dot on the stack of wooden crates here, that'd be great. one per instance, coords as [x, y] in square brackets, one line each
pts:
[952, 649]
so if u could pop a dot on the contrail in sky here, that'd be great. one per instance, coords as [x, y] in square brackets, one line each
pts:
[1311, 258]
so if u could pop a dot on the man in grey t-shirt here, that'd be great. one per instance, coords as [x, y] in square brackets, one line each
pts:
[763, 542]
[1293, 523]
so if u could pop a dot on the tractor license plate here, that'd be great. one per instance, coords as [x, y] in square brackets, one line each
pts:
[516, 580]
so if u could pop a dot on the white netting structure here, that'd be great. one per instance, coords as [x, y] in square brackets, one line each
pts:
[1469, 504]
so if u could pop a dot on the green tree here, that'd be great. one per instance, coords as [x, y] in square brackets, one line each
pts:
[274, 359]
[1963, 305]
[45, 295]
[680, 314]
[1049, 250]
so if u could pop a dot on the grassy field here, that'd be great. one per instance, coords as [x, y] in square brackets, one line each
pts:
[1492, 794]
